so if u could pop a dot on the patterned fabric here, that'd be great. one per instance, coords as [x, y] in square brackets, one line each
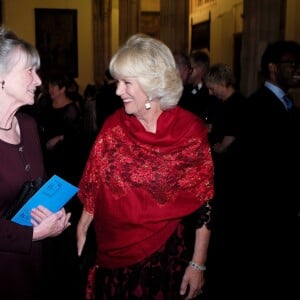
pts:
[157, 277]
[139, 185]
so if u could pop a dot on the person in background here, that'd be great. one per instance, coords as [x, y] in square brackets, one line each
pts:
[150, 166]
[74, 94]
[270, 149]
[196, 97]
[106, 99]
[89, 110]
[62, 137]
[61, 123]
[184, 66]
[225, 139]
[90, 128]
[21, 160]
[226, 126]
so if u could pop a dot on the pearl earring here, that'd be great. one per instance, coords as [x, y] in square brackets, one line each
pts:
[148, 104]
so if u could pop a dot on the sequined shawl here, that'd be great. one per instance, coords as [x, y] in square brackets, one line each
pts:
[138, 185]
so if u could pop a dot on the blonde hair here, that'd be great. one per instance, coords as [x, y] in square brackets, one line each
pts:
[152, 63]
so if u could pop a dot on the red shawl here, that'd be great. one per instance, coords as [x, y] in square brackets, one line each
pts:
[138, 185]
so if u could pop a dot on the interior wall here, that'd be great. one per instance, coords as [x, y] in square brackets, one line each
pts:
[150, 5]
[115, 26]
[18, 15]
[226, 19]
[292, 32]
[292, 26]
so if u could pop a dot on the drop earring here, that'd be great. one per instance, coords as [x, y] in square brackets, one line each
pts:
[148, 103]
[2, 84]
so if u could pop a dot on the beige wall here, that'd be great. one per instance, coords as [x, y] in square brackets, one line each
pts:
[292, 28]
[225, 15]
[226, 20]
[115, 26]
[292, 32]
[150, 5]
[18, 15]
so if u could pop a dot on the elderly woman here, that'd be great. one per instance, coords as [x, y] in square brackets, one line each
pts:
[150, 167]
[21, 160]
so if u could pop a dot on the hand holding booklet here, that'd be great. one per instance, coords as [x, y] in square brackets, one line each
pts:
[53, 195]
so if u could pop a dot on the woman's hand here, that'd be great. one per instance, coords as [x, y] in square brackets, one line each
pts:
[192, 282]
[48, 224]
[194, 278]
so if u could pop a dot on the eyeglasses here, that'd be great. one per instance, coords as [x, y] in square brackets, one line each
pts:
[293, 63]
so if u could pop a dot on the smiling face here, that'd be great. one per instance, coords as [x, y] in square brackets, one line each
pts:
[287, 70]
[134, 98]
[21, 81]
[55, 91]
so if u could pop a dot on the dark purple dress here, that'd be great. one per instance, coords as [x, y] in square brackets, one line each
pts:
[20, 258]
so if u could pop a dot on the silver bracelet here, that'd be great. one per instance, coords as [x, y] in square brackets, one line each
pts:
[197, 267]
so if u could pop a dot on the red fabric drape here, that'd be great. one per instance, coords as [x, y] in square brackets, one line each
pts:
[138, 185]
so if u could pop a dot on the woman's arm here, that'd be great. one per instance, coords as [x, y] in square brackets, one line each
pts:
[82, 229]
[193, 279]
[226, 142]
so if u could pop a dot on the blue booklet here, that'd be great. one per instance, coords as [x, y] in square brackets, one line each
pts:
[54, 194]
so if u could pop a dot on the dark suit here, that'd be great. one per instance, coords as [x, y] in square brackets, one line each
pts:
[199, 102]
[270, 198]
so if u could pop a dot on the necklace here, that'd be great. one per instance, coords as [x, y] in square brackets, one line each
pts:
[7, 129]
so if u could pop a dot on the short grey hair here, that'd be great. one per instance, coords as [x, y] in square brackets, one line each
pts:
[220, 73]
[152, 63]
[9, 44]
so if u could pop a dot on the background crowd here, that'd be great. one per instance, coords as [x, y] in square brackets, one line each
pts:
[179, 157]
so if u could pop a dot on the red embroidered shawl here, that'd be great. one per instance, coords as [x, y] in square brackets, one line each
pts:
[138, 185]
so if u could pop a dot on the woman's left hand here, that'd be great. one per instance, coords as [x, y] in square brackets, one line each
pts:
[192, 282]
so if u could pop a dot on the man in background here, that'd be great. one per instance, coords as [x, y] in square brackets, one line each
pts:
[269, 206]
[196, 97]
